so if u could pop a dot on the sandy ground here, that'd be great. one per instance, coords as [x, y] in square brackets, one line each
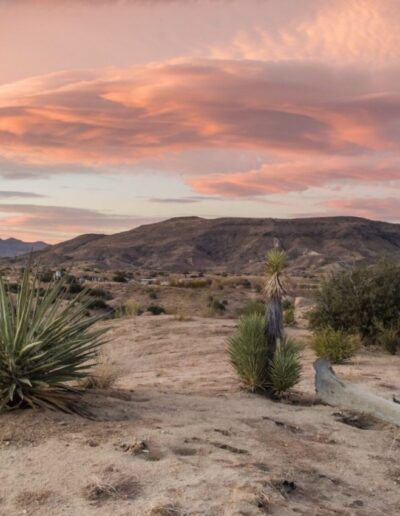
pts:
[178, 436]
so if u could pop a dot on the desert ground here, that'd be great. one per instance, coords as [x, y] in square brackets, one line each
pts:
[177, 435]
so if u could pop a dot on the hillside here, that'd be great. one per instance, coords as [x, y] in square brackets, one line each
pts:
[232, 244]
[11, 247]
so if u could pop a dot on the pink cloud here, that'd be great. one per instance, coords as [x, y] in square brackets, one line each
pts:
[370, 207]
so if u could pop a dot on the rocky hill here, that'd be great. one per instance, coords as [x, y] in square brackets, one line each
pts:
[233, 244]
[11, 247]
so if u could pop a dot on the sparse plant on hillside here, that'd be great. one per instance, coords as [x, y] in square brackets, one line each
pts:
[289, 317]
[156, 309]
[334, 345]
[45, 343]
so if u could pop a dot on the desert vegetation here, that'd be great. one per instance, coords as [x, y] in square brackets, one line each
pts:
[46, 341]
[262, 355]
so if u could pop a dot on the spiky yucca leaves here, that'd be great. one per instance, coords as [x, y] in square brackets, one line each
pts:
[45, 342]
[275, 290]
[285, 369]
[247, 351]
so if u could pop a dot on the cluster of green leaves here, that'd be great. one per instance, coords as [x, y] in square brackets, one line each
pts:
[249, 357]
[389, 339]
[361, 301]
[334, 345]
[45, 342]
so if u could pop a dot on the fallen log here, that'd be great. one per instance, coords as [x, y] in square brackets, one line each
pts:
[345, 395]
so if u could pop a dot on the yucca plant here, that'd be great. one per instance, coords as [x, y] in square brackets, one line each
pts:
[275, 290]
[285, 369]
[247, 351]
[46, 342]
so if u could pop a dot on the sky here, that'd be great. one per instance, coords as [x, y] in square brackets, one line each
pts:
[117, 113]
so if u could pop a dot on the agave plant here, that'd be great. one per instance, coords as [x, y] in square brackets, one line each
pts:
[46, 342]
[275, 290]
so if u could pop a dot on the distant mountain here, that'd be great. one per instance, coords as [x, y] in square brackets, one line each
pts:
[233, 244]
[12, 247]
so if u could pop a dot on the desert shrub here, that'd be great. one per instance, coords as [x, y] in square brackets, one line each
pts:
[13, 287]
[98, 304]
[287, 303]
[75, 288]
[389, 339]
[191, 283]
[247, 351]
[128, 309]
[334, 345]
[45, 343]
[104, 374]
[254, 307]
[288, 317]
[216, 307]
[100, 293]
[120, 277]
[153, 294]
[46, 276]
[359, 301]
[156, 309]
[285, 368]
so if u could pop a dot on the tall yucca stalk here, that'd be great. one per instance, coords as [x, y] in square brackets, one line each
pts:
[45, 343]
[274, 290]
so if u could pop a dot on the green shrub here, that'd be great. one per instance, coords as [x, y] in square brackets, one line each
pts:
[389, 339]
[359, 301]
[334, 345]
[247, 351]
[156, 309]
[254, 307]
[46, 276]
[288, 317]
[285, 367]
[45, 343]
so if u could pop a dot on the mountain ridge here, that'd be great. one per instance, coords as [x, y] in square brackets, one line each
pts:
[232, 244]
[12, 247]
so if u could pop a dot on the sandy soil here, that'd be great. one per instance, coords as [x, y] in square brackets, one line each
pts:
[178, 436]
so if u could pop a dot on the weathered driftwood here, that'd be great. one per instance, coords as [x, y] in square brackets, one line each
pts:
[338, 393]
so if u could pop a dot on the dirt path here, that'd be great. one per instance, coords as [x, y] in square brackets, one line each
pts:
[178, 432]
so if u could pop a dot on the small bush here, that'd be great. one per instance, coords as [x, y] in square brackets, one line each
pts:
[334, 345]
[46, 276]
[389, 339]
[288, 317]
[286, 367]
[98, 304]
[129, 309]
[75, 288]
[156, 309]
[247, 352]
[120, 278]
[254, 307]
[100, 293]
[153, 294]
[104, 375]
[216, 307]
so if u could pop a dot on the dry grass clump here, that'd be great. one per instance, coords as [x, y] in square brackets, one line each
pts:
[129, 309]
[113, 486]
[104, 376]
[31, 498]
[166, 510]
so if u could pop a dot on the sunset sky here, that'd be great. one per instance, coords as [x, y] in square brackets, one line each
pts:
[119, 113]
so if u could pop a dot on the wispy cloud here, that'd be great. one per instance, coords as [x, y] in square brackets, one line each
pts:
[8, 194]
